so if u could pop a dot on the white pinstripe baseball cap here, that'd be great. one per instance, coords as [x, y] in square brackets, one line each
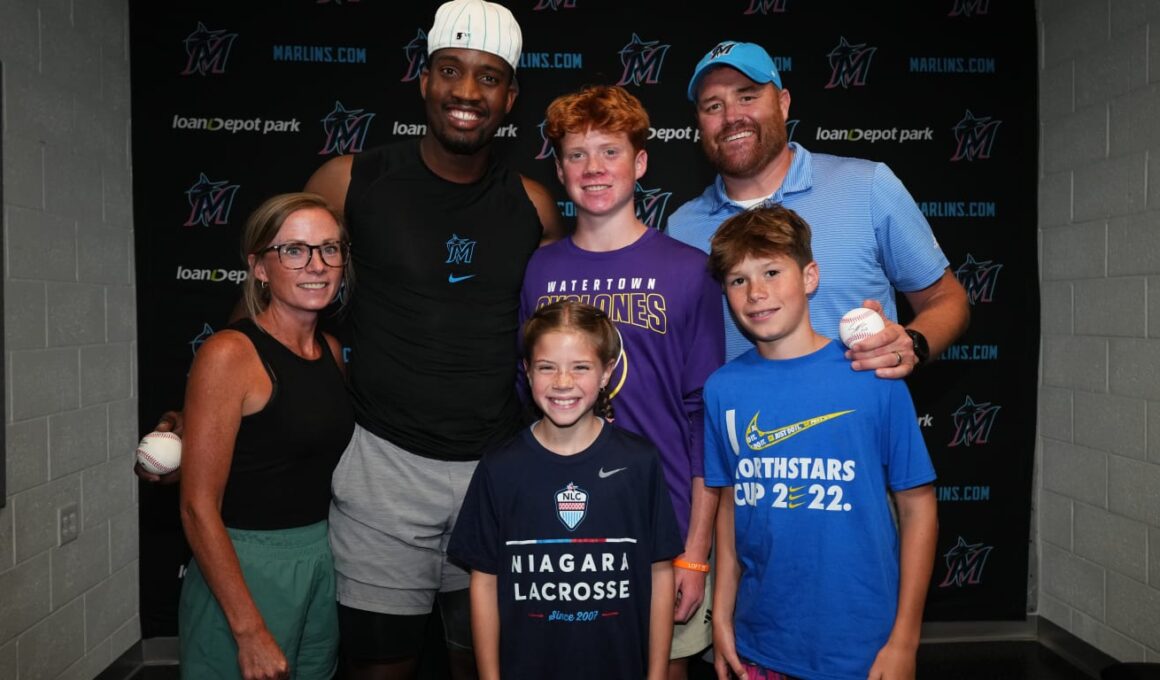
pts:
[476, 25]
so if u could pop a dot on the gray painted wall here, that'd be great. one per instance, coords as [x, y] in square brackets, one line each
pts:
[67, 611]
[1098, 505]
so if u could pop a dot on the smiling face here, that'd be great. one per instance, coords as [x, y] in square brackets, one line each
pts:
[566, 375]
[768, 296]
[599, 170]
[313, 287]
[466, 94]
[742, 123]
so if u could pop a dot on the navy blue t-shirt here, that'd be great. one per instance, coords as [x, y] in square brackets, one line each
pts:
[571, 540]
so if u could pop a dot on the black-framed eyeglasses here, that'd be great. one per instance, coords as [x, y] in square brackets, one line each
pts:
[296, 254]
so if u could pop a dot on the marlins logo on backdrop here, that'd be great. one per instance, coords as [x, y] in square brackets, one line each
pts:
[194, 345]
[965, 563]
[966, 8]
[546, 148]
[790, 128]
[849, 64]
[651, 205]
[200, 338]
[973, 422]
[979, 278]
[642, 61]
[571, 505]
[766, 7]
[554, 5]
[207, 51]
[974, 137]
[346, 130]
[415, 53]
[210, 202]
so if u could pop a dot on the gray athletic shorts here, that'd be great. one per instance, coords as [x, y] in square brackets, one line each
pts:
[390, 522]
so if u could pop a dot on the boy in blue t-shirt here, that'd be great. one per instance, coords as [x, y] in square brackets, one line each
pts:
[813, 580]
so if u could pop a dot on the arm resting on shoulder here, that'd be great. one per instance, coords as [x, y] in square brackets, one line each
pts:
[941, 312]
[331, 181]
[546, 208]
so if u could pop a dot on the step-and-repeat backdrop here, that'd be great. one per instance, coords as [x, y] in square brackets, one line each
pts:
[233, 102]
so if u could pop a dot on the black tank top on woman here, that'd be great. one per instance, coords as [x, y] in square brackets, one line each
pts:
[285, 453]
[435, 310]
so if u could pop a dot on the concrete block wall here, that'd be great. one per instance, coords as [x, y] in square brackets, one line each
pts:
[67, 611]
[1098, 467]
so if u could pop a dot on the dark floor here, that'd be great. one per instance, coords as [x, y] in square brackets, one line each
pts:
[993, 661]
[940, 661]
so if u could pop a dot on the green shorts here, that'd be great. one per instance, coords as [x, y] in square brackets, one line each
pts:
[290, 575]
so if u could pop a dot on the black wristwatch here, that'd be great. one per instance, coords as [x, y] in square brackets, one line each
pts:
[920, 346]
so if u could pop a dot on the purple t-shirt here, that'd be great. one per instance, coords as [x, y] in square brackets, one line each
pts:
[667, 308]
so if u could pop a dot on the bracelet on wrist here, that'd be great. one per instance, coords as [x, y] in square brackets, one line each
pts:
[702, 567]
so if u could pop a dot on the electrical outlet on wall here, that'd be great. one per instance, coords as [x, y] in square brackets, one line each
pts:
[69, 523]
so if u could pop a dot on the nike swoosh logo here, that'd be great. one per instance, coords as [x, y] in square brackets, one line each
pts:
[795, 505]
[758, 439]
[604, 474]
[451, 278]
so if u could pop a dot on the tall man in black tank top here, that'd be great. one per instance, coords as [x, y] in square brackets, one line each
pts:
[442, 233]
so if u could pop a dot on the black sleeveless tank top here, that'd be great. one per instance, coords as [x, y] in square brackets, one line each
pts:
[285, 453]
[435, 310]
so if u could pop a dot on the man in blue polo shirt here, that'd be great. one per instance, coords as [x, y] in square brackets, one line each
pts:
[869, 240]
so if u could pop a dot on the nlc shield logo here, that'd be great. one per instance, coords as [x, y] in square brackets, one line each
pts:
[571, 505]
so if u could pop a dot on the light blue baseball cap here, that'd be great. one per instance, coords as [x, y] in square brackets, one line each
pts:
[749, 58]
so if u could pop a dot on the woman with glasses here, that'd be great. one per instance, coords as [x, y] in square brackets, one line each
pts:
[266, 419]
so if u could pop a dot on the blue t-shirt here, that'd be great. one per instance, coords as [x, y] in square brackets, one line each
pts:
[809, 449]
[869, 237]
[571, 540]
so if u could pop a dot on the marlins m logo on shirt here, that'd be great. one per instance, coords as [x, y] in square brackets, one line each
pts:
[459, 251]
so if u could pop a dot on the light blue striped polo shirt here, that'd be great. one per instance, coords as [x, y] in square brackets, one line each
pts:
[869, 237]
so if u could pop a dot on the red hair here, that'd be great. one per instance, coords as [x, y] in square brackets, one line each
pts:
[607, 108]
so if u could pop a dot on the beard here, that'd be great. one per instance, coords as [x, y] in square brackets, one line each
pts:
[461, 143]
[769, 140]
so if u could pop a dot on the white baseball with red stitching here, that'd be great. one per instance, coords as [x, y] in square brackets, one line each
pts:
[159, 452]
[858, 324]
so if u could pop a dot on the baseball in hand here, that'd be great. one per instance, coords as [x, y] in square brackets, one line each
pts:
[159, 452]
[858, 324]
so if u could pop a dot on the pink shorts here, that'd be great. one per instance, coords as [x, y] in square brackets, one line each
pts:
[755, 672]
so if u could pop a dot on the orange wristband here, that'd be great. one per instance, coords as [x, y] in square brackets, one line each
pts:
[702, 567]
